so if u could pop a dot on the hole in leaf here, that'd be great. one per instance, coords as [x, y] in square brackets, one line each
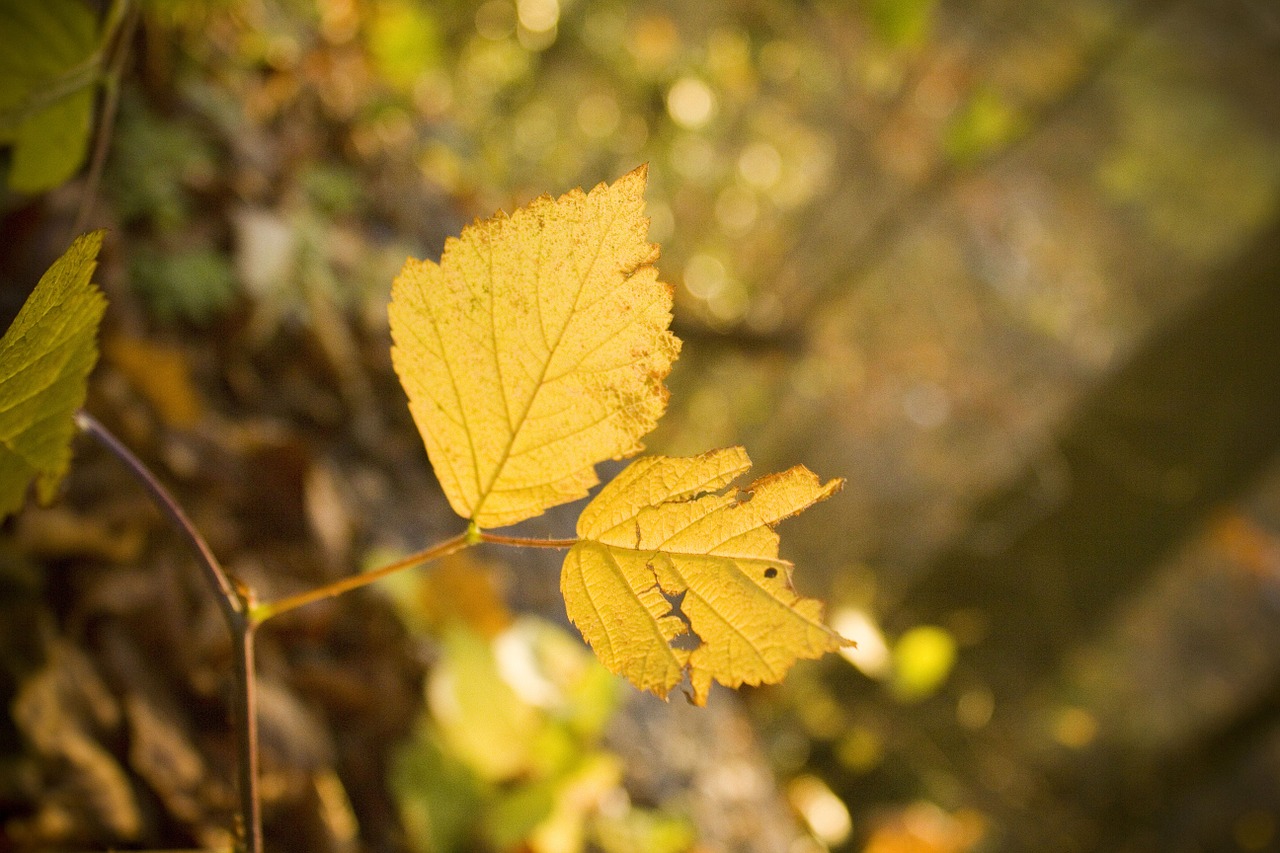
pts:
[771, 572]
[676, 600]
[686, 640]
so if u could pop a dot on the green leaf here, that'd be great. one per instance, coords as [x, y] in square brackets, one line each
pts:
[45, 360]
[48, 70]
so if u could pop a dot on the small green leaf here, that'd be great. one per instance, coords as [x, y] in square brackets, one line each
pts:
[985, 124]
[45, 360]
[901, 23]
[49, 67]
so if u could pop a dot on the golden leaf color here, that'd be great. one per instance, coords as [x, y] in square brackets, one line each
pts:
[536, 348]
[661, 555]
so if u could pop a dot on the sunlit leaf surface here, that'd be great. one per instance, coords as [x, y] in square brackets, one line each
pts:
[670, 577]
[536, 348]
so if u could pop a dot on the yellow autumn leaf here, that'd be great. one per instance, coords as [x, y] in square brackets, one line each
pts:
[669, 577]
[535, 349]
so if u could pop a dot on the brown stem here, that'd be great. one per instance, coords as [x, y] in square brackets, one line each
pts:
[235, 612]
[246, 700]
[229, 601]
[260, 613]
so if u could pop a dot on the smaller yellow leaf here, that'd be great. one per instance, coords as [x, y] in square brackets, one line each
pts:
[670, 577]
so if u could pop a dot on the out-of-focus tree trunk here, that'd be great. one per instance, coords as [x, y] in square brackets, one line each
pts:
[1185, 427]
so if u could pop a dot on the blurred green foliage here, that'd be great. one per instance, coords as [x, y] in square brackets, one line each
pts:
[188, 283]
[985, 124]
[156, 164]
[901, 23]
[508, 754]
[1190, 166]
[49, 72]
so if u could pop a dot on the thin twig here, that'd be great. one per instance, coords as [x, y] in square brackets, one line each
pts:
[123, 18]
[235, 611]
[229, 600]
[260, 613]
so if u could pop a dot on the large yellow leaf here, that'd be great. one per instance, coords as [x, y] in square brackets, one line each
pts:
[670, 577]
[536, 348]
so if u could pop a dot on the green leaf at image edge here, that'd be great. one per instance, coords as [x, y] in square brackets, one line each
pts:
[49, 72]
[45, 361]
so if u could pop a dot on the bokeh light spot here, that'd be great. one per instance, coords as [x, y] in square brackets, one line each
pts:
[704, 276]
[691, 103]
[822, 810]
[1075, 727]
[693, 157]
[861, 749]
[538, 16]
[736, 210]
[654, 40]
[871, 654]
[922, 660]
[926, 405]
[760, 165]
[730, 304]
[496, 20]
[598, 115]
[975, 708]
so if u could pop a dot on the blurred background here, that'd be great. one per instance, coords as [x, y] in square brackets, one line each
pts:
[1011, 268]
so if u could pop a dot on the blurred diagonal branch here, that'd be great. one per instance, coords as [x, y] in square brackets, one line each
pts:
[867, 248]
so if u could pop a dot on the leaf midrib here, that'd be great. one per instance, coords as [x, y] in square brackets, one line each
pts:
[515, 428]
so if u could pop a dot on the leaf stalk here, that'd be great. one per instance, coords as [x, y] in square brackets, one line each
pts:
[260, 613]
[525, 542]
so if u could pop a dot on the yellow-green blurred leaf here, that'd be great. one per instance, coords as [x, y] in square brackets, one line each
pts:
[985, 124]
[482, 720]
[404, 39]
[578, 795]
[922, 660]
[438, 795]
[900, 23]
[644, 831]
